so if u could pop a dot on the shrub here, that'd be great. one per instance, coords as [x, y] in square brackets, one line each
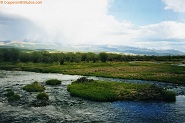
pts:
[43, 96]
[53, 82]
[34, 87]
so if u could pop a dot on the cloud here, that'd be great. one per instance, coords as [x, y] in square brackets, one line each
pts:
[70, 22]
[15, 27]
[175, 5]
[166, 30]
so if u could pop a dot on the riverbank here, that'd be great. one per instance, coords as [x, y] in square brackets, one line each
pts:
[153, 71]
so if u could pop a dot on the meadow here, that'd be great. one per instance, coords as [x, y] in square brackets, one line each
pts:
[139, 70]
[140, 67]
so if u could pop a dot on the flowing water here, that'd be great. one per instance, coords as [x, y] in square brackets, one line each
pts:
[63, 108]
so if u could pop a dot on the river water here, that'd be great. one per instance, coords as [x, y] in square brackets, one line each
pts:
[63, 108]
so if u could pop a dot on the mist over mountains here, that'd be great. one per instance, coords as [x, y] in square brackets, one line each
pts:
[90, 48]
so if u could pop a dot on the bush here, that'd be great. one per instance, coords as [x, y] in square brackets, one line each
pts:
[53, 82]
[34, 87]
[43, 96]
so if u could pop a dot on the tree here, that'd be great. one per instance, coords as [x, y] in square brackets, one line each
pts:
[103, 57]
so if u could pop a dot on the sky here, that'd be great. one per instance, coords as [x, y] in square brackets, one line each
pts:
[153, 24]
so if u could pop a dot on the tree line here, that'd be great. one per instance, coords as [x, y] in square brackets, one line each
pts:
[16, 55]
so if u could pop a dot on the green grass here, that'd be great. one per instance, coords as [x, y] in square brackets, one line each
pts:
[53, 82]
[163, 71]
[34, 87]
[42, 96]
[112, 91]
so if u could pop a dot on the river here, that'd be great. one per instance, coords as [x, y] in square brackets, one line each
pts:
[63, 108]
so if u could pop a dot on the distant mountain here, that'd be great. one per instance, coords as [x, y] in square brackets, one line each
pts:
[28, 45]
[127, 50]
[90, 48]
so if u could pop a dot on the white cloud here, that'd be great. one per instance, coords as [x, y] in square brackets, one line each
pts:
[68, 21]
[88, 22]
[165, 30]
[175, 5]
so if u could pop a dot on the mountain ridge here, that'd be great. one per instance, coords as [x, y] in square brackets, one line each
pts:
[91, 48]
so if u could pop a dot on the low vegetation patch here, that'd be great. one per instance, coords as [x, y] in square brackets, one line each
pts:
[14, 97]
[34, 87]
[53, 82]
[112, 91]
[83, 79]
[43, 96]
[42, 100]
[9, 92]
[11, 95]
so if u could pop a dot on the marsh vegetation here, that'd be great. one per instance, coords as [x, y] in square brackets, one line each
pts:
[10, 94]
[53, 82]
[138, 70]
[42, 96]
[155, 68]
[112, 91]
[34, 87]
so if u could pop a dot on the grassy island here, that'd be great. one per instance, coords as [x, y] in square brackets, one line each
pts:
[113, 91]
[34, 87]
[53, 82]
[43, 96]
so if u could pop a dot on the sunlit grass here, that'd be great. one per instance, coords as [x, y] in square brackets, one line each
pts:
[163, 71]
[34, 87]
[112, 91]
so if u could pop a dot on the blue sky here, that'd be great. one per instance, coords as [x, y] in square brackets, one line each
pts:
[141, 12]
[153, 24]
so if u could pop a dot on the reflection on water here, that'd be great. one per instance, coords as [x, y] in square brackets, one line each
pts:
[147, 112]
[64, 108]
